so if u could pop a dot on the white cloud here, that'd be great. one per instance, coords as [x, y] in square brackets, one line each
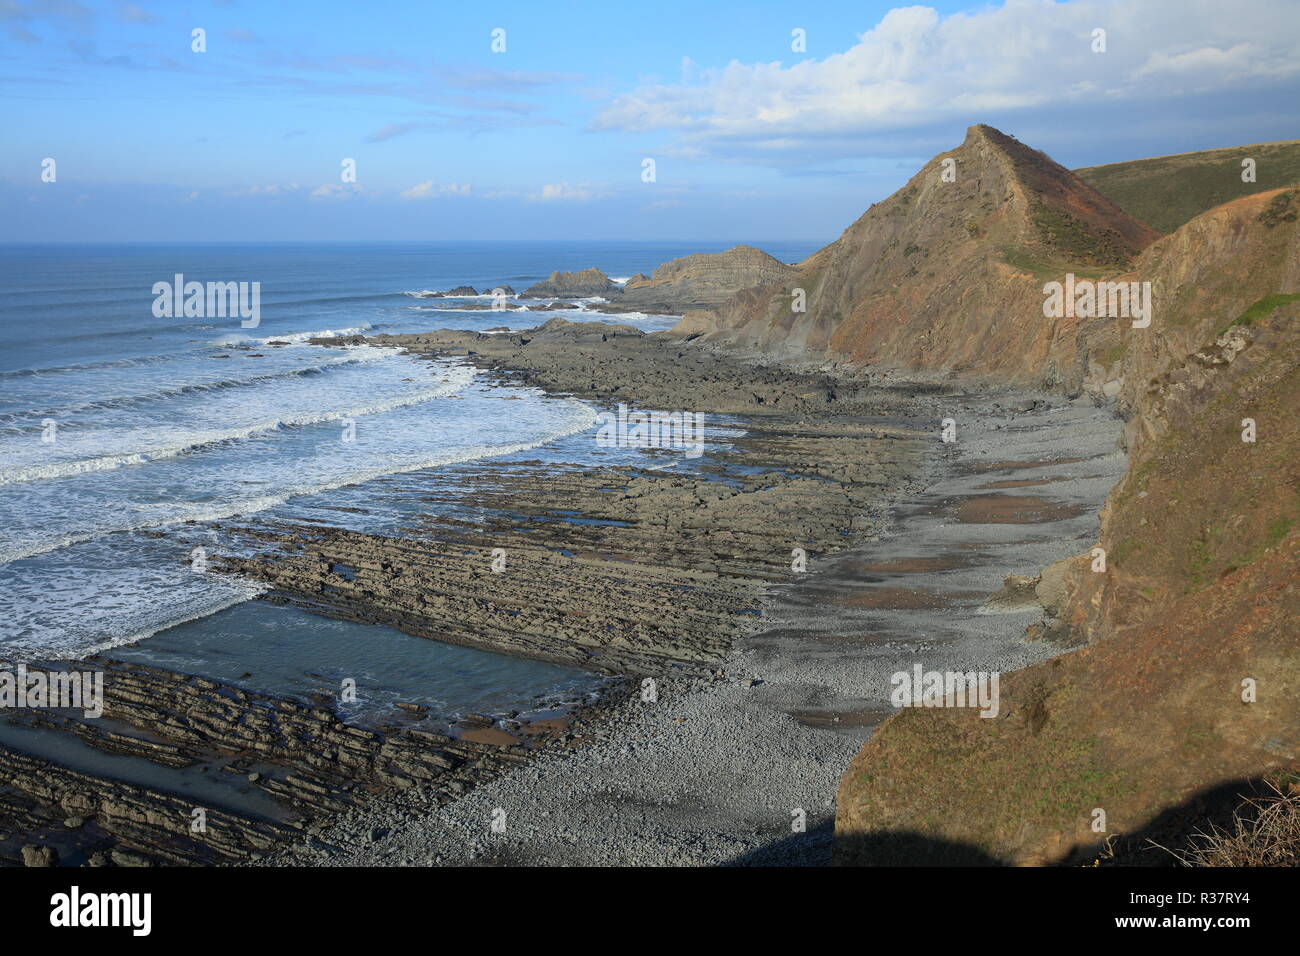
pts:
[915, 69]
[568, 192]
[337, 191]
[271, 189]
[430, 190]
[1242, 59]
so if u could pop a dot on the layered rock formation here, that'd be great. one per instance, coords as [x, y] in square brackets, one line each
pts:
[288, 766]
[616, 362]
[665, 567]
[1227, 284]
[702, 281]
[573, 285]
[949, 274]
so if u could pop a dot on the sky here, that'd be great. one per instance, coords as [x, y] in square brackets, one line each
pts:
[536, 120]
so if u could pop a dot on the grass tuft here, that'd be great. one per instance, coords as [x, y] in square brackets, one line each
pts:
[1265, 831]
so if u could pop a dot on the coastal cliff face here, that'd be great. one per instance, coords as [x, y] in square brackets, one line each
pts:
[1225, 350]
[704, 280]
[947, 274]
[1187, 684]
[694, 282]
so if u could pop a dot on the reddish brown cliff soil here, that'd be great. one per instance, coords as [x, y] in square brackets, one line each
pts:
[949, 274]
[1139, 726]
[1147, 720]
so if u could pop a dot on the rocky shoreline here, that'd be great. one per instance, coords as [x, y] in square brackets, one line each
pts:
[661, 574]
[261, 769]
[658, 571]
[700, 281]
[715, 765]
[621, 570]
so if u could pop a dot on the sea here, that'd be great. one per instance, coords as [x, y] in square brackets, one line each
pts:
[129, 438]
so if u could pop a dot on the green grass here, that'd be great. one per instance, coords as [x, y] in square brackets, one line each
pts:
[1280, 210]
[1127, 548]
[1263, 308]
[1114, 353]
[1276, 530]
[1167, 191]
[1048, 267]
[1074, 240]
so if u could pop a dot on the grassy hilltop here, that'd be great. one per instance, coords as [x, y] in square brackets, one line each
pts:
[1167, 191]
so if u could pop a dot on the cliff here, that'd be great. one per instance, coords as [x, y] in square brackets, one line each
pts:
[947, 274]
[703, 281]
[1195, 611]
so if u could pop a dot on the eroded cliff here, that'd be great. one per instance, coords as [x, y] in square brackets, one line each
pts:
[1186, 688]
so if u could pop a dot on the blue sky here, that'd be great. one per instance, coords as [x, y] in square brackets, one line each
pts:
[750, 137]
